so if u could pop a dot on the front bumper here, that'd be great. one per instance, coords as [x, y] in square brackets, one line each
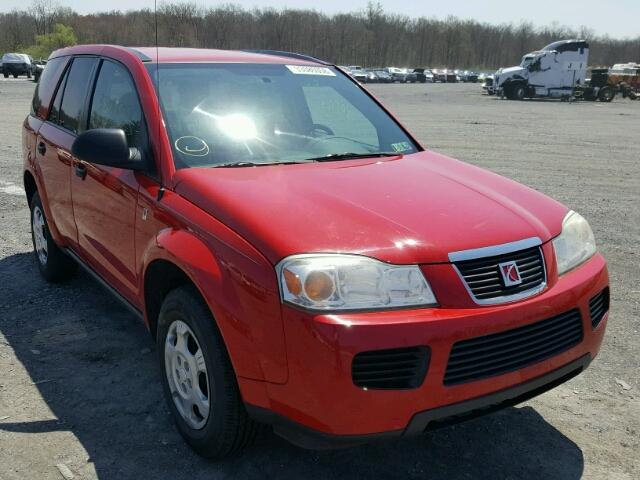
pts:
[321, 397]
[422, 422]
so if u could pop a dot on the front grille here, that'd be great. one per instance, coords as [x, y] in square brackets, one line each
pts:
[503, 352]
[484, 279]
[398, 368]
[598, 306]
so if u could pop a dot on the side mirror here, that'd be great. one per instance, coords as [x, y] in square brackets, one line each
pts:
[107, 146]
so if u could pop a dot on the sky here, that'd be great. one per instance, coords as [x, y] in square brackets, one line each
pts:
[616, 18]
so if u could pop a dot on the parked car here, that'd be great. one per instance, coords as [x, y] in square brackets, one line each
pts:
[38, 68]
[17, 64]
[423, 75]
[360, 75]
[467, 76]
[393, 309]
[372, 76]
[402, 75]
[439, 75]
[383, 76]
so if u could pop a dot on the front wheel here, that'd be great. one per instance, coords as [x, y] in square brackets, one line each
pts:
[518, 92]
[199, 381]
[53, 263]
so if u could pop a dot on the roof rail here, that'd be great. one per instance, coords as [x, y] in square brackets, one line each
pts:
[139, 54]
[280, 53]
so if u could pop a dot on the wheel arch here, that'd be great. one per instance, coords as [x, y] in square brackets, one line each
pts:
[30, 186]
[177, 257]
[161, 276]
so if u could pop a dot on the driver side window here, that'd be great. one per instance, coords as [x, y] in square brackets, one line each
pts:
[330, 109]
[115, 104]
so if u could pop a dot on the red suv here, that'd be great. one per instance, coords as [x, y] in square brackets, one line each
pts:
[300, 259]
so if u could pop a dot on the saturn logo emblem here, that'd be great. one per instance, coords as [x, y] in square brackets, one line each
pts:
[510, 274]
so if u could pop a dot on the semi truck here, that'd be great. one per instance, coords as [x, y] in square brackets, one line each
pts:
[559, 70]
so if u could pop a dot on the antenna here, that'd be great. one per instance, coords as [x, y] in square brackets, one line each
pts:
[155, 18]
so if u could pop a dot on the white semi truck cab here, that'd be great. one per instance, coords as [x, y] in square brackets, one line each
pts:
[556, 71]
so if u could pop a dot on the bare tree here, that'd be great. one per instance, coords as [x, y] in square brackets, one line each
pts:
[371, 37]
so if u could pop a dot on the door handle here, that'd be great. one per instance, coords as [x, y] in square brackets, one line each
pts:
[42, 148]
[81, 170]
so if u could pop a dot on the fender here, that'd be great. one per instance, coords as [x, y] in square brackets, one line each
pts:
[247, 315]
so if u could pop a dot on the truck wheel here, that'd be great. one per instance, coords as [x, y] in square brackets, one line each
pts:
[606, 94]
[199, 381]
[518, 92]
[6, 75]
[15, 75]
[53, 263]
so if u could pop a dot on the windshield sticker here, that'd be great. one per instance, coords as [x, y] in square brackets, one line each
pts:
[401, 146]
[309, 70]
[193, 146]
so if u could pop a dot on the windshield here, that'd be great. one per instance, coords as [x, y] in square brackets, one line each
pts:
[526, 60]
[224, 114]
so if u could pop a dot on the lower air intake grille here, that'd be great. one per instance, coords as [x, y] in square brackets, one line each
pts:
[598, 306]
[503, 352]
[398, 368]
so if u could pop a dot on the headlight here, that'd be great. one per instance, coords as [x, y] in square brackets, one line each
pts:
[575, 244]
[350, 282]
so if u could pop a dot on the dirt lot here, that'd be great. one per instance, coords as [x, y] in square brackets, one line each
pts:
[79, 384]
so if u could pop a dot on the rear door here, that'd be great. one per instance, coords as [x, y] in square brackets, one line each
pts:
[105, 198]
[53, 144]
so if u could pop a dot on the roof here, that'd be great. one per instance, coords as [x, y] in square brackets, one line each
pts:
[566, 45]
[191, 55]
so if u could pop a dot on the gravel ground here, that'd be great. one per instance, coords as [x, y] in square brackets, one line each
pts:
[79, 386]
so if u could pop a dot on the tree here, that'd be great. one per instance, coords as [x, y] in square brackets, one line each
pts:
[62, 36]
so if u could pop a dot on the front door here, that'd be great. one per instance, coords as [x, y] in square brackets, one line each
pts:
[105, 198]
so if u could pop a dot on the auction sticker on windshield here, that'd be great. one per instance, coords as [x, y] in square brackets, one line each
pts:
[310, 70]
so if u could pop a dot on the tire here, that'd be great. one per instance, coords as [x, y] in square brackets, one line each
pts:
[518, 91]
[6, 75]
[606, 94]
[226, 427]
[54, 265]
[15, 75]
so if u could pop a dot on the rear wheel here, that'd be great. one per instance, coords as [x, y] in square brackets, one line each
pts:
[199, 381]
[53, 263]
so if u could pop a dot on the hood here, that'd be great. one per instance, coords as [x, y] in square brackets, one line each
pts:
[510, 72]
[407, 209]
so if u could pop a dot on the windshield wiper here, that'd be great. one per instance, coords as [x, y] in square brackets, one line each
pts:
[325, 158]
[252, 164]
[350, 155]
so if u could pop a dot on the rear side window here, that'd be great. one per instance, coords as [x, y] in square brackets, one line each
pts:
[54, 112]
[47, 85]
[75, 93]
[115, 103]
